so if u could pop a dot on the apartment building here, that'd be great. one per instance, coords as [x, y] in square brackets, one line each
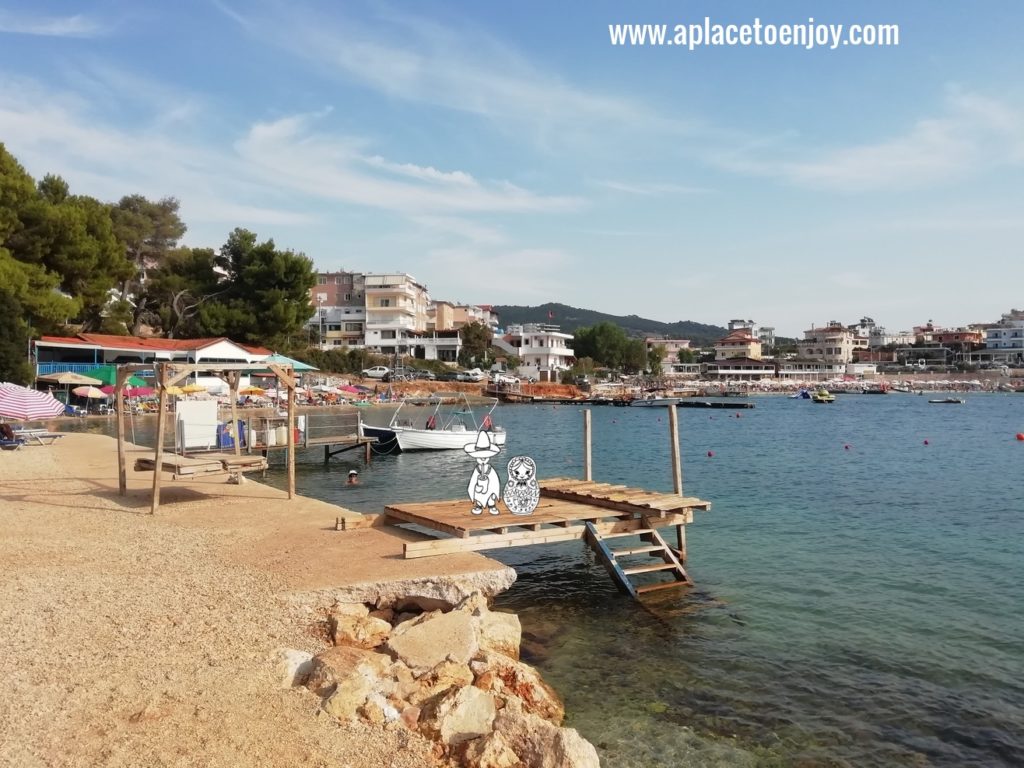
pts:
[740, 343]
[542, 348]
[340, 309]
[832, 343]
[396, 310]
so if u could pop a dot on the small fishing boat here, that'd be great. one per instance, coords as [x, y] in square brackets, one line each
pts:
[655, 401]
[823, 396]
[949, 400]
[451, 425]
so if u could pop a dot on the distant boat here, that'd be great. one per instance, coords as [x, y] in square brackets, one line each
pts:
[823, 396]
[655, 401]
[950, 400]
[803, 394]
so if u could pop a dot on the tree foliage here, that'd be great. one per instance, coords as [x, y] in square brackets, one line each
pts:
[476, 344]
[267, 295]
[609, 346]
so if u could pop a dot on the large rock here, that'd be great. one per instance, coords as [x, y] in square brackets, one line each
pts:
[358, 631]
[539, 744]
[490, 751]
[500, 632]
[425, 642]
[459, 715]
[347, 676]
[293, 667]
[452, 589]
[446, 675]
[506, 678]
[349, 609]
[420, 604]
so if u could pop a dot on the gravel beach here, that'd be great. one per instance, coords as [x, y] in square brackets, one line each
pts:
[138, 640]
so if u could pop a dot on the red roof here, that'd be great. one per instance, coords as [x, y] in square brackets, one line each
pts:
[145, 344]
[739, 336]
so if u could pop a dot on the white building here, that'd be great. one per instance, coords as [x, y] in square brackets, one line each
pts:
[1005, 339]
[396, 309]
[833, 343]
[539, 347]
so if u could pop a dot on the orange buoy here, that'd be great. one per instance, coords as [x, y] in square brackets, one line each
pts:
[1020, 436]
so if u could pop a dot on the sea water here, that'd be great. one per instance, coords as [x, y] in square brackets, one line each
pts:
[858, 597]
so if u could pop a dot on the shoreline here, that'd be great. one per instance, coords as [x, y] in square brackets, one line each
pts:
[125, 630]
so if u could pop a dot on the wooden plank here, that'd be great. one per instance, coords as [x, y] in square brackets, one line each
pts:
[414, 549]
[426, 522]
[635, 551]
[645, 588]
[649, 568]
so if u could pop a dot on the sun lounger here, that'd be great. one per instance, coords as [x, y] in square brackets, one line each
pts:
[11, 445]
[38, 436]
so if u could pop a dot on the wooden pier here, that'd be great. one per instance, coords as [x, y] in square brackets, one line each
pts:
[344, 433]
[569, 510]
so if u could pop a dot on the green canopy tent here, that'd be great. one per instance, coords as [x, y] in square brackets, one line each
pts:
[107, 374]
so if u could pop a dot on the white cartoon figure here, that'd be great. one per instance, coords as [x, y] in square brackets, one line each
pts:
[484, 485]
[522, 492]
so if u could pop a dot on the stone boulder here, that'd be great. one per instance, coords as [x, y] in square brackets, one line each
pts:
[347, 676]
[459, 715]
[420, 604]
[501, 633]
[349, 609]
[507, 678]
[358, 631]
[441, 678]
[490, 751]
[293, 667]
[425, 642]
[539, 744]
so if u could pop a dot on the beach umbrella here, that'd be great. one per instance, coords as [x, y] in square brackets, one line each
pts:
[130, 391]
[28, 404]
[251, 391]
[89, 392]
[70, 378]
[191, 389]
[107, 374]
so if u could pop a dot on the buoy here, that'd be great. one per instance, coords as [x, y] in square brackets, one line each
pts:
[1020, 436]
[846, 447]
[926, 442]
[737, 415]
[711, 454]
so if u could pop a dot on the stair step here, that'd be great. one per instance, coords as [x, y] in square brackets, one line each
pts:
[637, 550]
[637, 532]
[651, 568]
[660, 585]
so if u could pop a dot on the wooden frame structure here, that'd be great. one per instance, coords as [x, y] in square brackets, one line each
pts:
[569, 509]
[169, 374]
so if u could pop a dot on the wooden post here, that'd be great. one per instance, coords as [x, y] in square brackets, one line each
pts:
[161, 378]
[233, 378]
[291, 438]
[587, 466]
[677, 467]
[122, 471]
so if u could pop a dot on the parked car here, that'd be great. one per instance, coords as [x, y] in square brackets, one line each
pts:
[377, 372]
[424, 375]
[452, 376]
[503, 378]
[474, 375]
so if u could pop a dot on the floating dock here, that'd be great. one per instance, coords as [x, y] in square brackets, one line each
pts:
[569, 510]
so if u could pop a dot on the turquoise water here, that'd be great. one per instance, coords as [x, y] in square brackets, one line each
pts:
[859, 596]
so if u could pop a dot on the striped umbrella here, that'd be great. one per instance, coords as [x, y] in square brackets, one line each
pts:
[28, 404]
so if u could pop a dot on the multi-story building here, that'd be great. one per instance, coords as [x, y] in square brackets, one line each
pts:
[670, 347]
[740, 342]
[833, 343]
[540, 347]
[396, 307]
[766, 335]
[339, 305]
[1004, 341]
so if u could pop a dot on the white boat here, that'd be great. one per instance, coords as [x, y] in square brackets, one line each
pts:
[653, 401]
[448, 427]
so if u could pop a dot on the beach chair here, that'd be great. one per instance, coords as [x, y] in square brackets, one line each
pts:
[11, 445]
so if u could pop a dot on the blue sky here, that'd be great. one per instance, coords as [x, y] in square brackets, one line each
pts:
[507, 153]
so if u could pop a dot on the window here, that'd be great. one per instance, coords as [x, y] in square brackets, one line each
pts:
[321, 281]
[353, 326]
[337, 279]
[383, 302]
[348, 297]
[334, 327]
[387, 334]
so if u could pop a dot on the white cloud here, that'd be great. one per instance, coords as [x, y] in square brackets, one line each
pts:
[463, 228]
[648, 189]
[497, 276]
[287, 152]
[50, 26]
[975, 133]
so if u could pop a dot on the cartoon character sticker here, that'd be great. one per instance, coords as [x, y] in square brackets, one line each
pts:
[522, 491]
[484, 485]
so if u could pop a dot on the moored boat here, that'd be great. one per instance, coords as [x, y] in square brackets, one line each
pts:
[450, 426]
[655, 401]
[823, 396]
[949, 400]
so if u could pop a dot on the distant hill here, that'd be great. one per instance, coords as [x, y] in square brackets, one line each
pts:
[571, 318]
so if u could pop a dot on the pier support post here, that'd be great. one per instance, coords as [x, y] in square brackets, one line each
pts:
[327, 455]
[161, 423]
[681, 543]
[587, 466]
[122, 470]
[368, 451]
[677, 467]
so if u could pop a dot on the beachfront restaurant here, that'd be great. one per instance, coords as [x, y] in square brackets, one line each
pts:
[86, 351]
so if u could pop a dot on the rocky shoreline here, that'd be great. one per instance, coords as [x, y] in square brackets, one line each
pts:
[448, 673]
[131, 639]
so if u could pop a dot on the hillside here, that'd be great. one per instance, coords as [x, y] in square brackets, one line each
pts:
[571, 318]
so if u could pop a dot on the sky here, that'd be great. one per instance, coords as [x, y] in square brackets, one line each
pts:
[508, 153]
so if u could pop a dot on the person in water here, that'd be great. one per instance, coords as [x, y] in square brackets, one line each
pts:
[353, 477]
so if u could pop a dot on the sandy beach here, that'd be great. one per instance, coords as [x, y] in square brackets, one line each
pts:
[132, 639]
